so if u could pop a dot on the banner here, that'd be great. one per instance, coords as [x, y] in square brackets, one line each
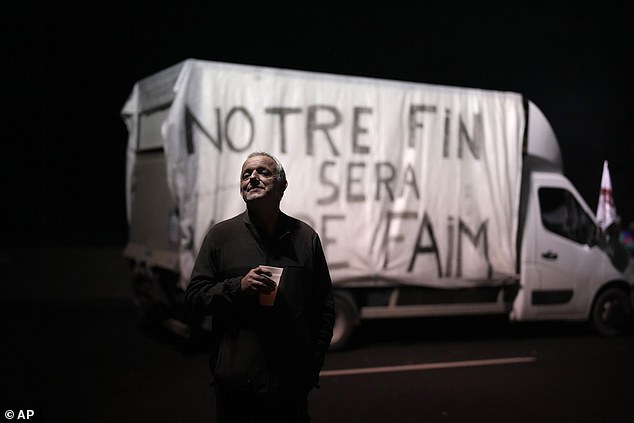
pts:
[405, 182]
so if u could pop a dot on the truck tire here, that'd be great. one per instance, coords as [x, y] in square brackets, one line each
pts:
[159, 302]
[346, 318]
[611, 313]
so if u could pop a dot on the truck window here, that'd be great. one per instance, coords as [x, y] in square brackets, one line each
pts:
[562, 214]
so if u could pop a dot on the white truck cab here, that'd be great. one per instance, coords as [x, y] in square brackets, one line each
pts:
[568, 269]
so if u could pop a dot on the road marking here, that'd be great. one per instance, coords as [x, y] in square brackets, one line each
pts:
[428, 366]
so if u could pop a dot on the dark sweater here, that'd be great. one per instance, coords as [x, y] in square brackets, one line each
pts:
[275, 350]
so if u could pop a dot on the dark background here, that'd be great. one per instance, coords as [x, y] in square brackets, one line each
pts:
[67, 70]
[70, 68]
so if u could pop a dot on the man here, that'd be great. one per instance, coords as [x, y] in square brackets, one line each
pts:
[266, 359]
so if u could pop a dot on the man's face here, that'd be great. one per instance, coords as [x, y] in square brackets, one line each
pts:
[258, 180]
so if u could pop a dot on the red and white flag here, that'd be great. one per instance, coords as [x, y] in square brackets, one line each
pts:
[606, 211]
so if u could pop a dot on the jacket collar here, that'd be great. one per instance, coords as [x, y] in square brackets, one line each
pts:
[282, 228]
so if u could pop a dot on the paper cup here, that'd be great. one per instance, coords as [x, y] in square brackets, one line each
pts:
[269, 299]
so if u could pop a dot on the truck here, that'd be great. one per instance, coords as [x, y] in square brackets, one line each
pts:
[430, 200]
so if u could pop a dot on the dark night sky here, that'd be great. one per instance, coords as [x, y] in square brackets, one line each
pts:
[69, 71]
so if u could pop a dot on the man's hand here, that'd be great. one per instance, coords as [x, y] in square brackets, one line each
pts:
[257, 281]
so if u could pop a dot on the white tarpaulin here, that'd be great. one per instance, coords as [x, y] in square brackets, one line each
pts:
[404, 182]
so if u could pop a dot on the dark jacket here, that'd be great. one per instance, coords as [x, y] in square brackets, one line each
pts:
[264, 350]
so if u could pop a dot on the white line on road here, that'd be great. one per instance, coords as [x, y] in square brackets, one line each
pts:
[428, 366]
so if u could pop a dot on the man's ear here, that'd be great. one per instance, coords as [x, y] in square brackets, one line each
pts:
[283, 188]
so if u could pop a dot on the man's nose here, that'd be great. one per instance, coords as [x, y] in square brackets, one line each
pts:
[254, 177]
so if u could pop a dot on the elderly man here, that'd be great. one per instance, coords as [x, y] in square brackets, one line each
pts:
[266, 359]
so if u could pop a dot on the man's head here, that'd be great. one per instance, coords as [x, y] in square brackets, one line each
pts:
[262, 178]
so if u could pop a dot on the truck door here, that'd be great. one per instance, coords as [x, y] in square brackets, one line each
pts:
[567, 258]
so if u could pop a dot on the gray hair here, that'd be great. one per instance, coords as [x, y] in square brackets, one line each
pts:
[280, 173]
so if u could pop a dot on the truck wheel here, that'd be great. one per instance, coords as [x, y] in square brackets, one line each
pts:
[346, 319]
[145, 288]
[159, 302]
[611, 312]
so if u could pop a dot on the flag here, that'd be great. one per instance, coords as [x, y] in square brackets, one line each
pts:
[606, 211]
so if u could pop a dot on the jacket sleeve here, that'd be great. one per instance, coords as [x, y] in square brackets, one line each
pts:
[325, 305]
[207, 293]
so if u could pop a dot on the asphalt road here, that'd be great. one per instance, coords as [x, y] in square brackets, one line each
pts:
[93, 363]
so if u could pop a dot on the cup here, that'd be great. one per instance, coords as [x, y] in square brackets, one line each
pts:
[276, 275]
